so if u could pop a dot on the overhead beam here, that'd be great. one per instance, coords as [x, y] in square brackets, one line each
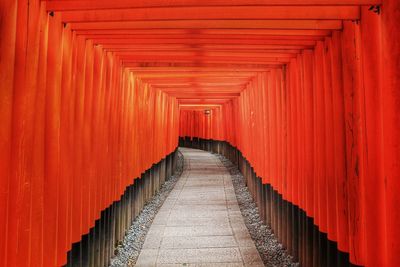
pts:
[207, 31]
[203, 101]
[215, 12]
[184, 106]
[197, 42]
[200, 86]
[213, 24]
[203, 54]
[206, 62]
[166, 58]
[203, 96]
[202, 74]
[203, 36]
[136, 64]
[189, 80]
[216, 47]
[194, 69]
[122, 4]
[194, 90]
[185, 86]
[226, 52]
[197, 107]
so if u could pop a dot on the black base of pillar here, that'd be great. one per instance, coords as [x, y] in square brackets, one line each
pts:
[96, 248]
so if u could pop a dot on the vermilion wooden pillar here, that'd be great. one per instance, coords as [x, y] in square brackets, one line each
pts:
[354, 118]
[22, 140]
[391, 124]
[8, 13]
[308, 148]
[375, 219]
[340, 186]
[309, 130]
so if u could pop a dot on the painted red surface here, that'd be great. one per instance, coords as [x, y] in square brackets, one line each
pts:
[322, 131]
[94, 92]
[77, 128]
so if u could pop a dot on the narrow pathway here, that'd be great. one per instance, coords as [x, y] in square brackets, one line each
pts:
[200, 222]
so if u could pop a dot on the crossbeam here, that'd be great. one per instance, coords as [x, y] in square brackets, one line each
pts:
[123, 4]
[214, 24]
[214, 13]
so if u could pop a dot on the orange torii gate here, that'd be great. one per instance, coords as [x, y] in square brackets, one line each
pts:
[307, 91]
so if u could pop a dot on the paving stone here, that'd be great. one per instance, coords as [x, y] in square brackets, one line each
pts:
[156, 230]
[250, 256]
[152, 242]
[201, 255]
[199, 213]
[213, 264]
[244, 241]
[198, 242]
[197, 231]
[147, 257]
[209, 206]
[220, 221]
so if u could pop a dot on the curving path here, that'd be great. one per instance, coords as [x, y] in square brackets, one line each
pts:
[200, 223]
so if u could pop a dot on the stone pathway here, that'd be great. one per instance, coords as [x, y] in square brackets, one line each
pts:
[200, 223]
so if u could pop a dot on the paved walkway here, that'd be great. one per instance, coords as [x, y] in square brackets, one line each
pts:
[200, 223]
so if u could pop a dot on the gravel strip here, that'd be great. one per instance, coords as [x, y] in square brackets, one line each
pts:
[271, 251]
[128, 251]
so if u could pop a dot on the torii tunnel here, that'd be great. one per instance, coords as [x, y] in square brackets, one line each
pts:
[303, 96]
